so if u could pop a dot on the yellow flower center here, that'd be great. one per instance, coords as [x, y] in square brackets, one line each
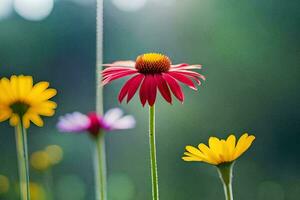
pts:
[19, 108]
[152, 63]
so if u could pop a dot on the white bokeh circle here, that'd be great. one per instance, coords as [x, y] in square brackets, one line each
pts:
[34, 10]
[6, 8]
[129, 5]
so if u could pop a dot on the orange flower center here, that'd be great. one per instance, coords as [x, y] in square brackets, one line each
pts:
[152, 63]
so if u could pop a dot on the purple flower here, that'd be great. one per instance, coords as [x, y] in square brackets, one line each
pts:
[93, 123]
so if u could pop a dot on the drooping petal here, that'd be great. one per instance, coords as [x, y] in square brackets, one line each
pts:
[152, 89]
[163, 88]
[144, 90]
[196, 76]
[186, 66]
[112, 70]
[182, 78]
[134, 85]
[121, 63]
[117, 76]
[174, 86]
[130, 87]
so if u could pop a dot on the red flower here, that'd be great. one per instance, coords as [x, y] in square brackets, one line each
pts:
[152, 71]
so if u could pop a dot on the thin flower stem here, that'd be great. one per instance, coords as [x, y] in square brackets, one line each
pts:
[99, 160]
[49, 184]
[22, 154]
[225, 173]
[154, 174]
[100, 168]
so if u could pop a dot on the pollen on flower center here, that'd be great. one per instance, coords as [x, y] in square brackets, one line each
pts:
[20, 108]
[152, 63]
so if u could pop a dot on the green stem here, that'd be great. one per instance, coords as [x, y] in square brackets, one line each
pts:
[225, 173]
[154, 175]
[49, 184]
[99, 160]
[100, 168]
[22, 154]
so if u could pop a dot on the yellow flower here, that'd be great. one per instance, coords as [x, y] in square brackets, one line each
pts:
[219, 151]
[20, 99]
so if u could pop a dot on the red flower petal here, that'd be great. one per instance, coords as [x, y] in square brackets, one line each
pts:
[152, 89]
[135, 84]
[143, 91]
[182, 78]
[174, 86]
[163, 88]
[129, 87]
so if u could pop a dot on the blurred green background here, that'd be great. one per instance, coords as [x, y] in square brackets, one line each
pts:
[250, 53]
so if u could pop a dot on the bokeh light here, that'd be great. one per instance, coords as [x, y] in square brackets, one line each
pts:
[37, 191]
[70, 187]
[40, 160]
[34, 10]
[270, 190]
[55, 153]
[4, 184]
[6, 8]
[120, 187]
[129, 5]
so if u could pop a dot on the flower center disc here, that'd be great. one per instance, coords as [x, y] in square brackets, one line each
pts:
[152, 63]
[19, 108]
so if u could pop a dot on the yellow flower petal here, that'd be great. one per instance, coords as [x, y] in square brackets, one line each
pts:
[19, 98]
[14, 120]
[245, 146]
[36, 119]
[219, 151]
[211, 156]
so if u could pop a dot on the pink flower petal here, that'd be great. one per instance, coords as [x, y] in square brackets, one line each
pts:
[174, 86]
[163, 88]
[112, 70]
[183, 79]
[121, 63]
[186, 66]
[117, 76]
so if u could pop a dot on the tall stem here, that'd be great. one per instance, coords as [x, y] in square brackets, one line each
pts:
[225, 173]
[49, 184]
[22, 154]
[99, 160]
[100, 168]
[155, 195]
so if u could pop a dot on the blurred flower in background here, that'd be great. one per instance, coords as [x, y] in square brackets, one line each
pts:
[93, 123]
[4, 184]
